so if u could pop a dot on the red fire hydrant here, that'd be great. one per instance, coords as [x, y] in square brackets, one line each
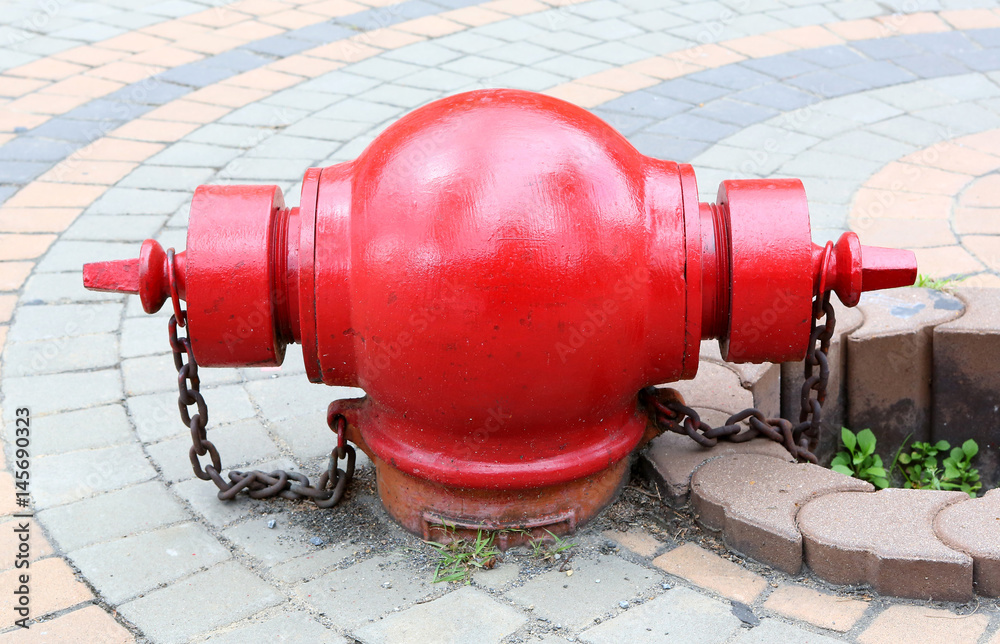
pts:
[501, 272]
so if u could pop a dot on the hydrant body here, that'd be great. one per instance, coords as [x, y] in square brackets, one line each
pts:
[501, 272]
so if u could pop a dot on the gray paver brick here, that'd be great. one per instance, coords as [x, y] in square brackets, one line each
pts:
[242, 444]
[58, 355]
[203, 498]
[234, 136]
[124, 568]
[780, 66]
[76, 475]
[528, 79]
[931, 65]
[83, 429]
[832, 56]
[287, 628]
[447, 619]
[155, 415]
[133, 201]
[133, 228]
[142, 336]
[772, 630]
[828, 84]
[365, 591]
[27, 148]
[307, 436]
[184, 153]
[113, 515]
[283, 146]
[151, 374]
[52, 288]
[62, 391]
[279, 398]
[311, 565]
[167, 178]
[62, 320]
[571, 66]
[260, 170]
[596, 587]
[264, 115]
[777, 96]
[195, 605]
[680, 615]
[270, 545]
[66, 255]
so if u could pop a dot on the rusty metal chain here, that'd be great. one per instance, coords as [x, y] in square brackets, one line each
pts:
[332, 483]
[798, 438]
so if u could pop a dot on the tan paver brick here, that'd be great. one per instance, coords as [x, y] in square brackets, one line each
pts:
[946, 261]
[808, 37]
[638, 541]
[971, 18]
[52, 584]
[133, 42]
[90, 55]
[619, 80]
[972, 527]
[914, 23]
[819, 609]
[759, 46]
[47, 69]
[7, 303]
[100, 628]
[43, 194]
[334, 8]
[24, 246]
[82, 85]
[82, 170]
[154, 130]
[303, 65]
[39, 103]
[13, 87]
[474, 16]
[115, 149]
[711, 571]
[582, 95]
[264, 79]
[387, 38]
[430, 26]
[923, 625]
[12, 276]
[39, 546]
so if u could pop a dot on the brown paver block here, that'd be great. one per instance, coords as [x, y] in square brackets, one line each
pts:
[100, 628]
[973, 527]
[966, 378]
[671, 458]
[835, 407]
[709, 570]
[754, 500]
[52, 584]
[887, 540]
[638, 541]
[818, 608]
[889, 363]
[922, 625]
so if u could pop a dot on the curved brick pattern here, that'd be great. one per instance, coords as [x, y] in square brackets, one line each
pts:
[835, 407]
[753, 500]
[890, 363]
[255, 91]
[887, 540]
[966, 380]
[972, 527]
[671, 458]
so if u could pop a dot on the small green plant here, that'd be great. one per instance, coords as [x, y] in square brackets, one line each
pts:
[920, 467]
[548, 551]
[926, 281]
[859, 459]
[461, 557]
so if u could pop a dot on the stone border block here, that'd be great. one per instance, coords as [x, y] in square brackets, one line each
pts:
[889, 367]
[671, 459]
[754, 500]
[835, 407]
[973, 527]
[966, 378]
[885, 539]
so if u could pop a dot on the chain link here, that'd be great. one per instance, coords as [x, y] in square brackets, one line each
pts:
[798, 438]
[332, 483]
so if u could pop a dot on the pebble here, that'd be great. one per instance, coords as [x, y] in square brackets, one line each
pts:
[667, 586]
[272, 523]
[316, 541]
[623, 604]
[597, 581]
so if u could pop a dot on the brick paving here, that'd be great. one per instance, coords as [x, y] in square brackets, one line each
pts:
[111, 113]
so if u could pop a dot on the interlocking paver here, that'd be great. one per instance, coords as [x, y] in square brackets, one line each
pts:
[680, 615]
[771, 630]
[243, 443]
[922, 624]
[195, 605]
[969, 527]
[594, 590]
[288, 627]
[365, 591]
[885, 539]
[54, 356]
[447, 619]
[78, 475]
[127, 567]
[818, 608]
[754, 501]
[112, 515]
[62, 589]
[710, 571]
